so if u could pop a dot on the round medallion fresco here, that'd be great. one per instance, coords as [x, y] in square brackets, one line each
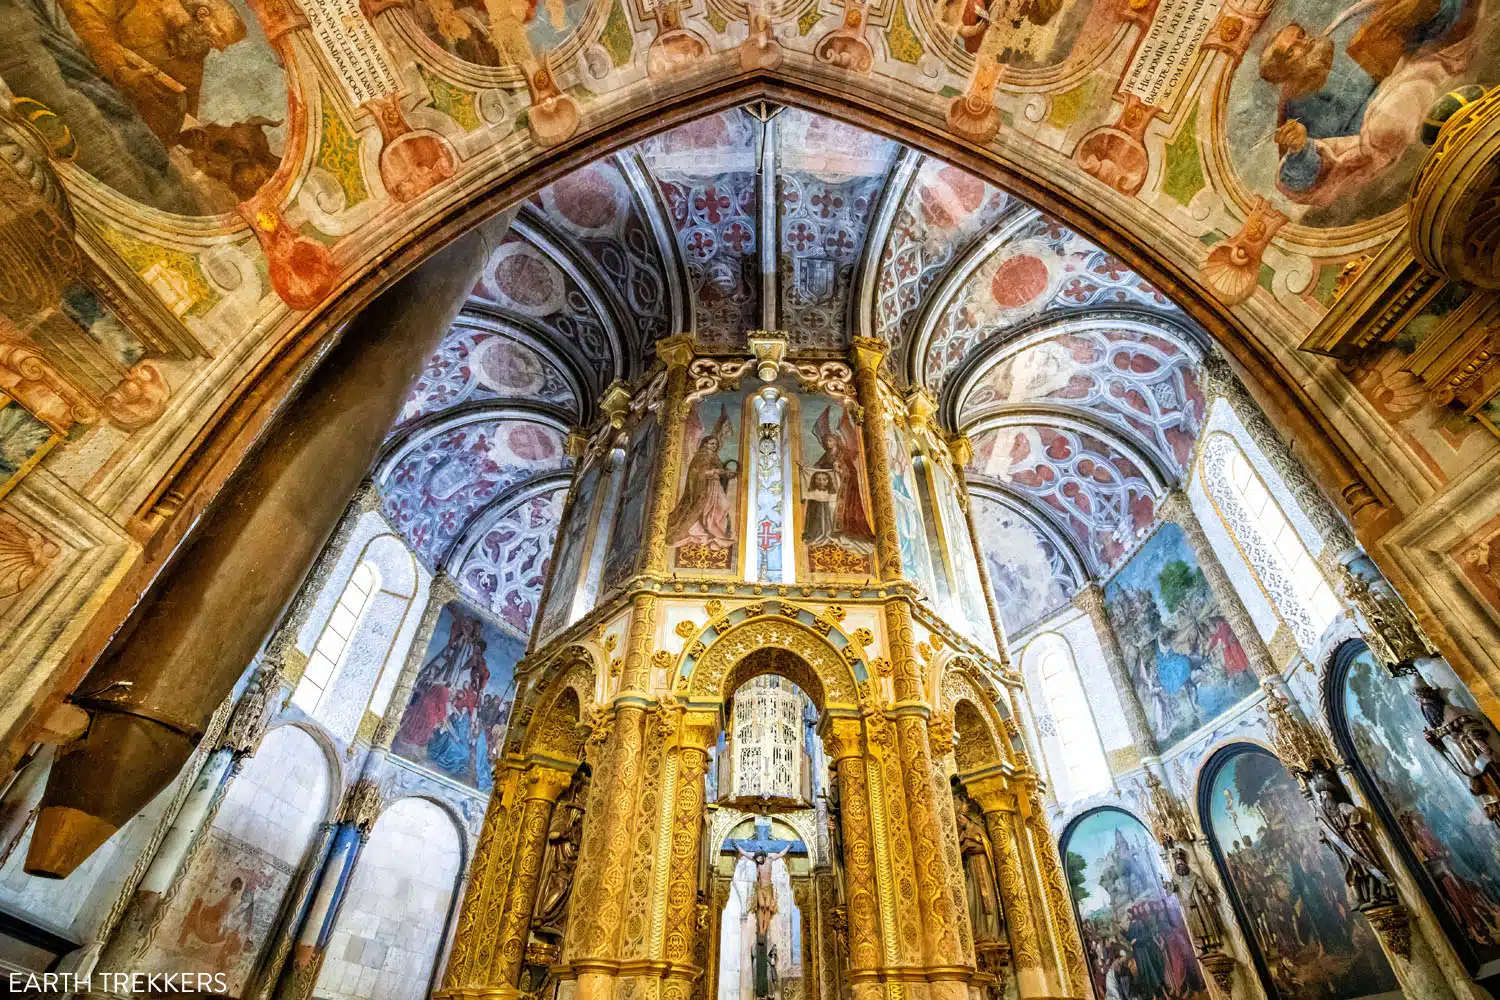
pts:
[523, 280]
[588, 201]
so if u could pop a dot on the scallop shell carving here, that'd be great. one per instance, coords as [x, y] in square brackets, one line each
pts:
[23, 556]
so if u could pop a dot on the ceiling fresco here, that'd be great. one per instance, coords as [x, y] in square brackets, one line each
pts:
[1074, 378]
[1082, 482]
[236, 171]
[505, 566]
[1134, 376]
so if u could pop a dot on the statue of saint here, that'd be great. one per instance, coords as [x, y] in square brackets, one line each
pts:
[979, 874]
[1345, 828]
[564, 840]
[1199, 903]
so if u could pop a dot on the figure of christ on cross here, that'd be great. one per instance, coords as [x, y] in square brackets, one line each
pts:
[762, 850]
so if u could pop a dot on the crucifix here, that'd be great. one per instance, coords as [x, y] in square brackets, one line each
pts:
[762, 849]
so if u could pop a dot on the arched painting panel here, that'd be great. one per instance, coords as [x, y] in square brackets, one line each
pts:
[1288, 892]
[1446, 840]
[1133, 930]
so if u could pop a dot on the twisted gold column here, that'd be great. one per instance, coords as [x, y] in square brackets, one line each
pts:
[484, 903]
[676, 353]
[697, 730]
[842, 742]
[1067, 946]
[998, 799]
[541, 786]
[591, 945]
[868, 352]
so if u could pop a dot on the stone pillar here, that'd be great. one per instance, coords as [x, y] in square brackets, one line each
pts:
[541, 785]
[869, 926]
[357, 814]
[442, 590]
[152, 693]
[148, 904]
[1179, 510]
[1090, 600]
[478, 929]
[677, 354]
[695, 733]
[1066, 945]
[868, 353]
[962, 451]
[1216, 940]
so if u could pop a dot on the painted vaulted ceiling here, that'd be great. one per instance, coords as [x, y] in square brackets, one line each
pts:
[1075, 378]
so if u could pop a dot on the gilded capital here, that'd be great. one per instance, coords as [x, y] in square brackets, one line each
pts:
[869, 352]
[676, 351]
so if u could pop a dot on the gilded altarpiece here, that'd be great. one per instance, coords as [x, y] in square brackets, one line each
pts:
[760, 515]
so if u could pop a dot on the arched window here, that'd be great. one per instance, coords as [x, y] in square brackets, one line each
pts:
[1074, 751]
[322, 665]
[1284, 568]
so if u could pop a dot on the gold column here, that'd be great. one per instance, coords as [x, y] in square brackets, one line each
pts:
[868, 353]
[542, 785]
[696, 731]
[676, 353]
[1067, 946]
[944, 928]
[893, 851]
[1040, 967]
[484, 903]
[867, 923]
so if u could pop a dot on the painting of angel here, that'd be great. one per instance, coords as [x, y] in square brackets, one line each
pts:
[701, 528]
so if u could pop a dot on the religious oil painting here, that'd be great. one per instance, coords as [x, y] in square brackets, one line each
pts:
[1288, 885]
[178, 105]
[703, 528]
[629, 527]
[1325, 110]
[838, 536]
[568, 576]
[455, 721]
[1134, 933]
[1184, 659]
[1443, 824]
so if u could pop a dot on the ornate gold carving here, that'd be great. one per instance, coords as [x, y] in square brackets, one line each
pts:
[686, 629]
[816, 666]
[1393, 923]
